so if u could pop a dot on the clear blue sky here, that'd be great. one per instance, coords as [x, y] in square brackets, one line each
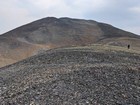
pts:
[124, 14]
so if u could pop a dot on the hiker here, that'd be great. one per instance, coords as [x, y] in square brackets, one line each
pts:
[128, 46]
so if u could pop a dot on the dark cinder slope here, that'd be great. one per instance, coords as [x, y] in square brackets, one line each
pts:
[111, 32]
[51, 32]
[69, 76]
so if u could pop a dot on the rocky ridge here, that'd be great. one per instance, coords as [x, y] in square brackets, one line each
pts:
[73, 76]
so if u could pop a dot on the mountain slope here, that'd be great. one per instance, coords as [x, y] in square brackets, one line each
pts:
[76, 75]
[51, 32]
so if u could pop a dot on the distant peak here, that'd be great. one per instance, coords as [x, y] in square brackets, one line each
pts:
[47, 20]
[51, 18]
[65, 18]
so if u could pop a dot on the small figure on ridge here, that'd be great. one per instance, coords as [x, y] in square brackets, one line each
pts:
[128, 46]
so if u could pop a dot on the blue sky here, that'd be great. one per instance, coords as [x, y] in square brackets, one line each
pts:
[124, 14]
